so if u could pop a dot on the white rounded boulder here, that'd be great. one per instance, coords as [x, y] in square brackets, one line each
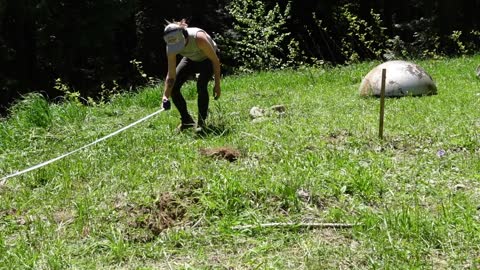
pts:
[402, 79]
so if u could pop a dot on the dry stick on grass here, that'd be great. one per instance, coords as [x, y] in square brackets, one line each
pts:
[292, 224]
[258, 138]
[166, 259]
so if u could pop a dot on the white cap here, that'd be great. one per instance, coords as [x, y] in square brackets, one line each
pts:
[173, 36]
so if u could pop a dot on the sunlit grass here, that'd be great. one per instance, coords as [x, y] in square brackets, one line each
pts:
[147, 198]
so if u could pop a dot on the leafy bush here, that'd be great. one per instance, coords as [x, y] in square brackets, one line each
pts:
[361, 38]
[256, 41]
[416, 39]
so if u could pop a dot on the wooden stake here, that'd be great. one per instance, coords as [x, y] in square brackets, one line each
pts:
[382, 104]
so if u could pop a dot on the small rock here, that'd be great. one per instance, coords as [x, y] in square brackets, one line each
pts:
[459, 187]
[256, 112]
[278, 108]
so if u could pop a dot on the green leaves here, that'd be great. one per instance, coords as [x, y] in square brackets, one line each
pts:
[258, 35]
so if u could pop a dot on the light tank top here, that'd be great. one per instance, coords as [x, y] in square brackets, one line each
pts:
[192, 51]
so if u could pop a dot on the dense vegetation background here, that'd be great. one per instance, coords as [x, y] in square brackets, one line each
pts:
[93, 47]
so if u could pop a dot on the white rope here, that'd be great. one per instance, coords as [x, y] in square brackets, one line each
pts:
[3, 181]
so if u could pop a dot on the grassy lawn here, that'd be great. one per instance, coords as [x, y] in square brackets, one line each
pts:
[149, 198]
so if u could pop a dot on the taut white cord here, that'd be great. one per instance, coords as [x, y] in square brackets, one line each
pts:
[3, 181]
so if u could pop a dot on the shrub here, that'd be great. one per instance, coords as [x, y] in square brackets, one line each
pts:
[258, 35]
[360, 38]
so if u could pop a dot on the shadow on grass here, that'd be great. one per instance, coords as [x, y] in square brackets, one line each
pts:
[213, 130]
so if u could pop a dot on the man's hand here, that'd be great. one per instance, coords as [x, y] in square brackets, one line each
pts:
[166, 105]
[217, 92]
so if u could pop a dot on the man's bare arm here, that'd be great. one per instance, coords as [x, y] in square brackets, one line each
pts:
[171, 75]
[207, 48]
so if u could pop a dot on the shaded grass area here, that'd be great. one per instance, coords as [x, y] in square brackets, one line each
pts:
[150, 198]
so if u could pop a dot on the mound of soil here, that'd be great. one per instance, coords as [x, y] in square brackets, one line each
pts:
[164, 213]
[226, 153]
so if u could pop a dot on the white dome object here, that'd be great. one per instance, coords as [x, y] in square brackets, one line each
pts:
[402, 79]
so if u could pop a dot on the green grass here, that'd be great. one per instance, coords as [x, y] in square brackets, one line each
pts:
[147, 198]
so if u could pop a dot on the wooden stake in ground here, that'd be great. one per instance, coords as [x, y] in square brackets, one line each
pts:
[382, 104]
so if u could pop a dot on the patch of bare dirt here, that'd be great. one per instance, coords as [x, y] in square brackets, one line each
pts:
[338, 136]
[227, 153]
[144, 221]
[166, 212]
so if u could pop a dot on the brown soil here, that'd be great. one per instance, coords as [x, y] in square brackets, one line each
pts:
[164, 213]
[226, 153]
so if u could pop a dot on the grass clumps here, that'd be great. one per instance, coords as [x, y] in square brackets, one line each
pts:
[150, 198]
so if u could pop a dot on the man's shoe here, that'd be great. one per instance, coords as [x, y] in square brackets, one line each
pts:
[201, 129]
[184, 126]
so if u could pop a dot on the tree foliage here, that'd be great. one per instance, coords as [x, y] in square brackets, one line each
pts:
[91, 45]
[256, 38]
